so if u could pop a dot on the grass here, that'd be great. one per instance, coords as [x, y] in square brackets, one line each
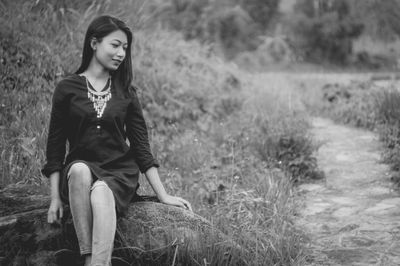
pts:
[230, 142]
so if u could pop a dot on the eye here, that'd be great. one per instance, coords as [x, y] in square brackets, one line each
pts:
[114, 45]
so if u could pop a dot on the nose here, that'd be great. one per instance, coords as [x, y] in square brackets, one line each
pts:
[121, 53]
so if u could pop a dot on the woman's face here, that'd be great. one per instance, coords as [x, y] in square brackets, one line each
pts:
[111, 50]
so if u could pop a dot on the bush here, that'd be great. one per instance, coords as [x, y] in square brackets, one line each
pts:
[353, 104]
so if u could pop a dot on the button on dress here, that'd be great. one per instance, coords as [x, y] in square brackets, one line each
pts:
[100, 143]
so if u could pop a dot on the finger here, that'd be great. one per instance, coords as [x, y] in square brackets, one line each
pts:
[184, 201]
[189, 207]
[50, 217]
[180, 204]
[53, 217]
[61, 212]
[186, 204]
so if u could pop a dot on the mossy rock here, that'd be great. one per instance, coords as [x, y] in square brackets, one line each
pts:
[150, 233]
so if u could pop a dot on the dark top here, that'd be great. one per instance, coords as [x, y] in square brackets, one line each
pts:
[98, 142]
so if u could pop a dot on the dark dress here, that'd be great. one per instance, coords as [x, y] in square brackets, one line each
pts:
[100, 143]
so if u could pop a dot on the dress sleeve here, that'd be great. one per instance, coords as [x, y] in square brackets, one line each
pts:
[56, 139]
[136, 131]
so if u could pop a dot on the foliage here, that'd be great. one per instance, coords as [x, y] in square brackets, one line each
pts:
[261, 11]
[381, 19]
[234, 25]
[353, 104]
[325, 34]
[26, 74]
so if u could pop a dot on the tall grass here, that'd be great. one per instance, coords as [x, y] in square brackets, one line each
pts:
[229, 142]
[388, 115]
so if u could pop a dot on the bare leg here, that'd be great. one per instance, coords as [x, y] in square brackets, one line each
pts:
[79, 184]
[104, 223]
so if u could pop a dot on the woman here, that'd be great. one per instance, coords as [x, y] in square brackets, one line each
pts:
[96, 109]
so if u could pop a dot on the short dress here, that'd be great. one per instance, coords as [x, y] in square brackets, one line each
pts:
[100, 143]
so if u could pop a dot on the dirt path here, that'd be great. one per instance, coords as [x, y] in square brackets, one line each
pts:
[353, 217]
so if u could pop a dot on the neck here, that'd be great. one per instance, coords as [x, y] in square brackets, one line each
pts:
[96, 71]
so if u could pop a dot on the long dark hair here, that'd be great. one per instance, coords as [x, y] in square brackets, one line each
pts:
[99, 28]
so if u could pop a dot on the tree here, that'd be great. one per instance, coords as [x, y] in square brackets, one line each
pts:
[381, 18]
[324, 32]
[261, 11]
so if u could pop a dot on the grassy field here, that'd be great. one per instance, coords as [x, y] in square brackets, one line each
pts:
[230, 142]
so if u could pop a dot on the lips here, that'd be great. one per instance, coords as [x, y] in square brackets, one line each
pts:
[117, 61]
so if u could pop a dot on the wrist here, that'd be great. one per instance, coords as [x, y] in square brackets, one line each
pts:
[162, 197]
[55, 197]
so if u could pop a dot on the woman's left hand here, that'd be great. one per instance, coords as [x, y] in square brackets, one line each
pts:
[176, 201]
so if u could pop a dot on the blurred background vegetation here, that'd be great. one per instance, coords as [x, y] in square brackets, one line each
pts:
[264, 33]
[230, 141]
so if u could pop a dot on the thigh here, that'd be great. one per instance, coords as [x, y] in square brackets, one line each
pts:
[101, 192]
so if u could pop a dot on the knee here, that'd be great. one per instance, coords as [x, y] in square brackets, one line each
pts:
[79, 174]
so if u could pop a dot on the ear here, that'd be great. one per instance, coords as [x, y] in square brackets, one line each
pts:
[93, 43]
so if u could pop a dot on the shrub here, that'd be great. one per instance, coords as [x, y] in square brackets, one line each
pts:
[353, 104]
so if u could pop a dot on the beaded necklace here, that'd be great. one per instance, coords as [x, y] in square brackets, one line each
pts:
[99, 98]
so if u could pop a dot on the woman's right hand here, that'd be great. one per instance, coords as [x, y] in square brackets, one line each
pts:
[55, 210]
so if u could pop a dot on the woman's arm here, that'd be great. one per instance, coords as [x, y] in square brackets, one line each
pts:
[56, 208]
[136, 130]
[155, 182]
[57, 135]
[55, 150]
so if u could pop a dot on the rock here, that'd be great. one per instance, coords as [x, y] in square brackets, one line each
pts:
[352, 256]
[150, 233]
